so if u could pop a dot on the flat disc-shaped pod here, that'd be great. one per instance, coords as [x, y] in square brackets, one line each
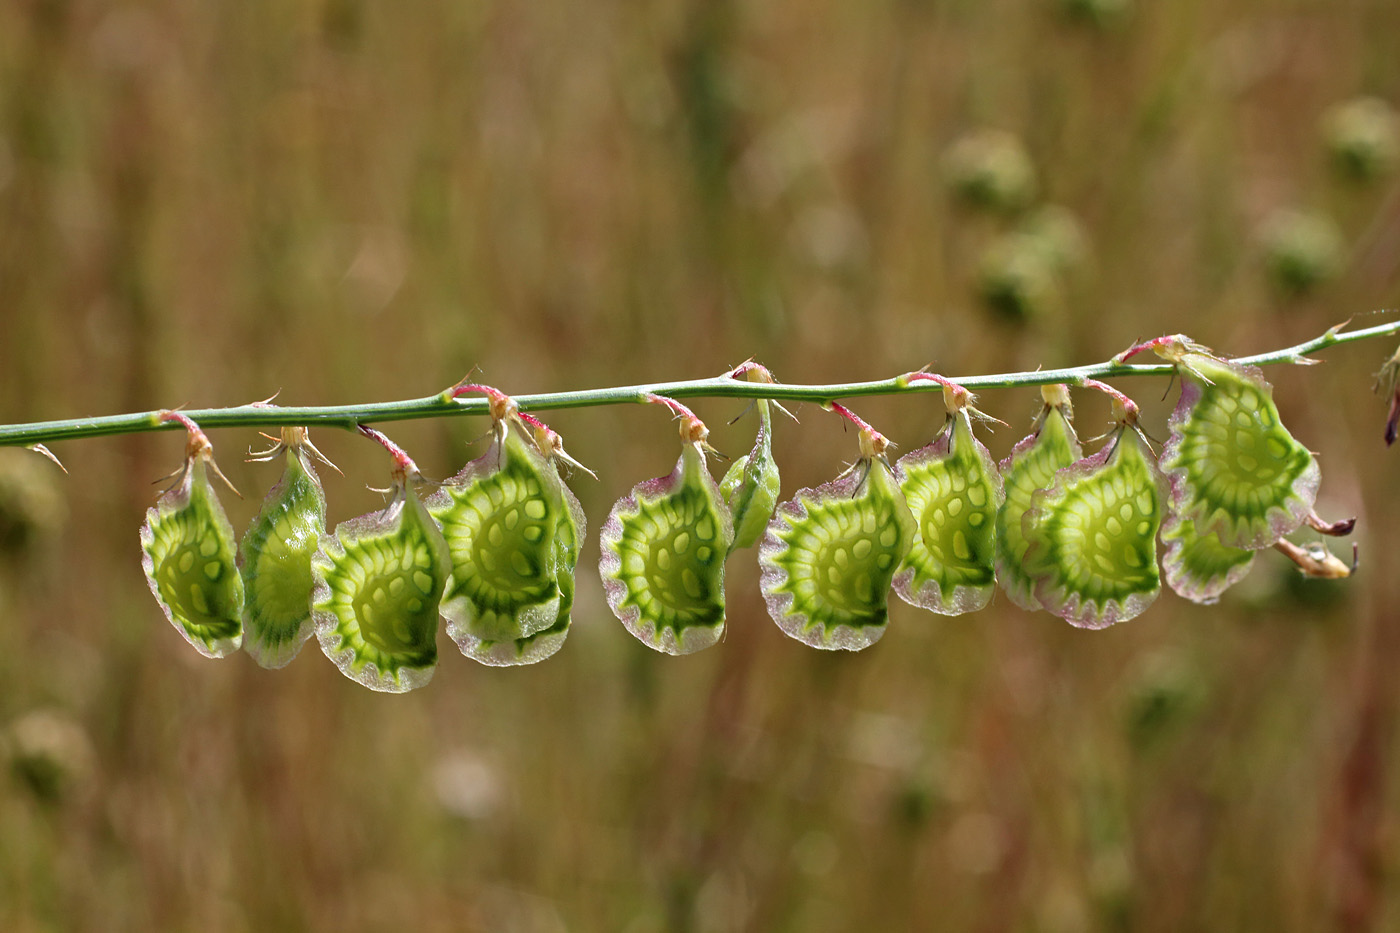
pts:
[830, 554]
[535, 647]
[953, 490]
[1030, 468]
[275, 560]
[751, 485]
[1093, 535]
[378, 583]
[500, 516]
[188, 554]
[1198, 567]
[663, 551]
[1234, 469]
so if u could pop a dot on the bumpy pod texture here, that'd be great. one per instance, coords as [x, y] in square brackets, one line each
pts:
[379, 579]
[275, 560]
[663, 551]
[830, 554]
[188, 554]
[750, 487]
[1030, 468]
[954, 491]
[1235, 471]
[1199, 567]
[1092, 535]
[510, 525]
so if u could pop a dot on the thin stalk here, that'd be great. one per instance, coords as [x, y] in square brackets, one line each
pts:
[444, 404]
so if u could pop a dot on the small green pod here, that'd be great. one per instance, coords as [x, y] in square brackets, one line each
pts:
[662, 563]
[1092, 535]
[543, 643]
[188, 554]
[534, 648]
[751, 485]
[1235, 470]
[501, 518]
[379, 580]
[953, 489]
[275, 559]
[830, 554]
[1051, 446]
[1198, 567]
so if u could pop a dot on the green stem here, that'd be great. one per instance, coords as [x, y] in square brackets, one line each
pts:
[444, 405]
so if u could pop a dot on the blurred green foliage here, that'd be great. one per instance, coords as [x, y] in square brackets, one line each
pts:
[204, 203]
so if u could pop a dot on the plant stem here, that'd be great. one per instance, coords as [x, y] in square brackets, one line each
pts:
[443, 404]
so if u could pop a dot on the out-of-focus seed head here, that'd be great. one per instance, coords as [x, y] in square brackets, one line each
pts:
[31, 505]
[1059, 233]
[1017, 277]
[49, 752]
[1301, 250]
[1362, 137]
[991, 170]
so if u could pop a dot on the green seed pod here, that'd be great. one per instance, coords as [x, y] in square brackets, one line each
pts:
[1235, 471]
[1092, 535]
[954, 491]
[513, 529]
[751, 486]
[663, 551]
[536, 647]
[1198, 567]
[1051, 446]
[379, 580]
[188, 555]
[275, 557]
[830, 555]
[543, 644]
[990, 169]
[1018, 277]
[500, 517]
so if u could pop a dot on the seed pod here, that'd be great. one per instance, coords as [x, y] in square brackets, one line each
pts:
[512, 527]
[1092, 536]
[543, 644]
[830, 554]
[663, 551]
[1031, 467]
[1234, 469]
[953, 490]
[188, 555]
[275, 556]
[536, 647]
[379, 579]
[751, 486]
[500, 517]
[1198, 567]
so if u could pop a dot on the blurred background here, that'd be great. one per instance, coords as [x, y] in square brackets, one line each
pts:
[202, 204]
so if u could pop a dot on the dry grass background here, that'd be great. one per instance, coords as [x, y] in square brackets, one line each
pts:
[204, 203]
